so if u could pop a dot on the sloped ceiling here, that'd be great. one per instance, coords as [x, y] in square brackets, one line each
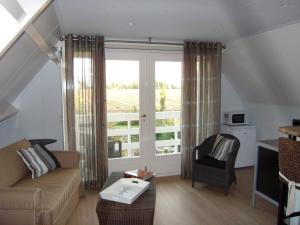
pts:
[262, 68]
[24, 59]
[265, 68]
[223, 20]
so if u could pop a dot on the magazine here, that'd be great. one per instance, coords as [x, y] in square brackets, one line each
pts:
[141, 174]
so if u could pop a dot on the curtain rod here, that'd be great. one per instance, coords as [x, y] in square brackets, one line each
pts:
[150, 42]
[139, 42]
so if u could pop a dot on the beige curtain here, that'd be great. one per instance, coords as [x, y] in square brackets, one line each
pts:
[85, 90]
[200, 97]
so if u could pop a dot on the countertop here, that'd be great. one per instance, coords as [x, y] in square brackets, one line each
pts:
[290, 130]
[271, 144]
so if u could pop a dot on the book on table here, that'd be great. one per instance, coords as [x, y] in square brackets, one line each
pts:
[125, 190]
[141, 174]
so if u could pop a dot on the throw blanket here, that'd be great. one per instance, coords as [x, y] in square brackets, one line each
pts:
[293, 202]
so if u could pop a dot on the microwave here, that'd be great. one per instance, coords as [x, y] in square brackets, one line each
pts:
[235, 118]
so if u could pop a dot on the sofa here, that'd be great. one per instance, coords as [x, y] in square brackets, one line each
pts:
[47, 200]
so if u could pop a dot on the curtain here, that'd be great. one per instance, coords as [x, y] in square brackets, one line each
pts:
[201, 88]
[85, 106]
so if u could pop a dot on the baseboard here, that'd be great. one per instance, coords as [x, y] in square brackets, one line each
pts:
[167, 174]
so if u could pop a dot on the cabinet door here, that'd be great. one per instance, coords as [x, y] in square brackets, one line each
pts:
[247, 151]
[267, 181]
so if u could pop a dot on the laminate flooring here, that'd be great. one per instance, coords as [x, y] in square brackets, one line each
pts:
[177, 203]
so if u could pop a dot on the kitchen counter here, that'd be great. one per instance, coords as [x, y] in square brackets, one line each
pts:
[271, 144]
[293, 131]
[266, 182]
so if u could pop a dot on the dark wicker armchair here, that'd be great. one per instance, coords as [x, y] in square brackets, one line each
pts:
[211, 171]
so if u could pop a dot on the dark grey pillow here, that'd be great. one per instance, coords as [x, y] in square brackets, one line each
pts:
[50, 163]
[51, 155]
[42, 143]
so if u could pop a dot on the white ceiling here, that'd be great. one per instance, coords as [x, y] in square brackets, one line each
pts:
[223, 20]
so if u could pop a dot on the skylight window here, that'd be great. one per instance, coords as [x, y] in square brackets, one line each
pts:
[14, 15]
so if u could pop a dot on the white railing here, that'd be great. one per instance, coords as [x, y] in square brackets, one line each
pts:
[161, 145]
[169, 146]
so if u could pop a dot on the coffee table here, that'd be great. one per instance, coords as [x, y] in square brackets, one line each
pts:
[140, 212]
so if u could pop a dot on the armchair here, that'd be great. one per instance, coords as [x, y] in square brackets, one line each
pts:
[212, 171]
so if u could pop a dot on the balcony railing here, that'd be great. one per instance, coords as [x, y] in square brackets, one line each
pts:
[162, 146]
[129, 132]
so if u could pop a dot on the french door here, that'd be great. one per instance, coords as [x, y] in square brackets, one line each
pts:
[143, 110]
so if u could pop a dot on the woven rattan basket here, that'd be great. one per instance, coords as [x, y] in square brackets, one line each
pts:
[289, 159]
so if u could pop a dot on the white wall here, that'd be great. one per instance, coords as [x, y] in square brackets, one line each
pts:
[230, 99]
[7, 131]
[264, 70]
[268, 117]
[40, 108]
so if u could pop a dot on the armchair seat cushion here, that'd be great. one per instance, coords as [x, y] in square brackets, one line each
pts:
[211, 162]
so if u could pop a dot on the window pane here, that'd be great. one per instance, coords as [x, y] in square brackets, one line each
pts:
[122, 90]
[135, 138]
[123, 139]
[167, 86]
[165, 136]
[167, 106]
[117, 125]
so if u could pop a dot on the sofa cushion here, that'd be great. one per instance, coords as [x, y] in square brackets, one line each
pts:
[12, 168]
[56, 188]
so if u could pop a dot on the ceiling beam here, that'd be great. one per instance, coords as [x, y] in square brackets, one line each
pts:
[23, 28]
[40, 41]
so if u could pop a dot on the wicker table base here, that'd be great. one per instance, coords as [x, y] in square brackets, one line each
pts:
[140, 212]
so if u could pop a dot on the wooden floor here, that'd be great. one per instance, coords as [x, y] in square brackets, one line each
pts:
[177, 203]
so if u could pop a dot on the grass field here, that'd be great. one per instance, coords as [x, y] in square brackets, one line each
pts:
[127, 100]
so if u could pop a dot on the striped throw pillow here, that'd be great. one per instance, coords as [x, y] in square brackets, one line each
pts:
[33, 162]
[50, 163]
[222, 147]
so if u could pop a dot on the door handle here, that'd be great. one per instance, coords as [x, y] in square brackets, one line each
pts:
[143, 116]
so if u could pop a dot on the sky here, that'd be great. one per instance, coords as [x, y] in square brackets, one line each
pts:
[126, 72]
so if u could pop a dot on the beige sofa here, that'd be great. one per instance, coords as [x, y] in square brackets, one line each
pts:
[47, 200]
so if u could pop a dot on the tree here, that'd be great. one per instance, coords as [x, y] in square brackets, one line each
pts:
[163, 96]
[134, 108]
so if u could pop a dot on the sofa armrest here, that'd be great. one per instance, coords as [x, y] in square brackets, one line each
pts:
[20, 198]
[67, 159]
